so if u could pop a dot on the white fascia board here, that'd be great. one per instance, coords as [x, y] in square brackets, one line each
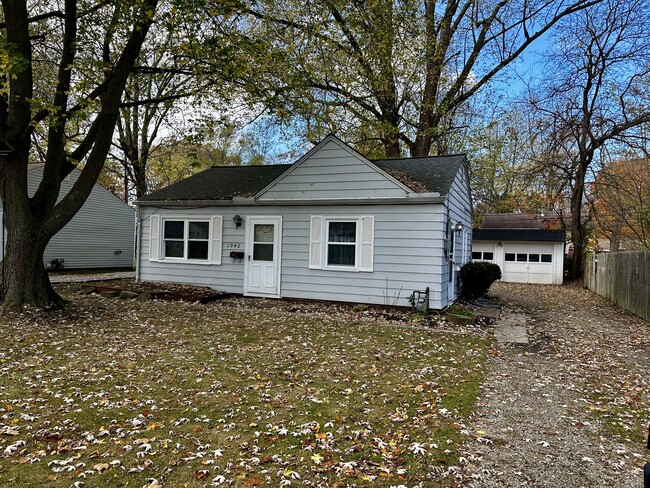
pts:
[413, 198]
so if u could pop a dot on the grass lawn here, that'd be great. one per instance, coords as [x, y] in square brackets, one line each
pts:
[122, 393]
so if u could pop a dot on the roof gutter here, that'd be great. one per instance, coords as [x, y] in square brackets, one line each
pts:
[410, 199]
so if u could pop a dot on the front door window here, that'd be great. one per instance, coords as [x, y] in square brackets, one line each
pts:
[263, 242]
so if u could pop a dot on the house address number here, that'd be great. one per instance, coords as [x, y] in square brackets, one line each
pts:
[233, 245]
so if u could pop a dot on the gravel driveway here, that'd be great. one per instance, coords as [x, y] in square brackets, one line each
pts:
[571, 408]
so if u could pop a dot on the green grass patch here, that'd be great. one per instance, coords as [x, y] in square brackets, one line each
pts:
[117, 393]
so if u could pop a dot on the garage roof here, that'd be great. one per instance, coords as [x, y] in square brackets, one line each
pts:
[533, 235]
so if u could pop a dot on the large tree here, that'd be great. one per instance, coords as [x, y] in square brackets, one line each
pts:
[620, 199]
[73, 108]
[596, 92]
[389, 76]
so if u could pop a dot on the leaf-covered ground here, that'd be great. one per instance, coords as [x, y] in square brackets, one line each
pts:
[571, 409]
[121, 393]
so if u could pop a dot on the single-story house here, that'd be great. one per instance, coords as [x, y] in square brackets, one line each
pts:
[100, 235]
[331, 226]
[527, 248]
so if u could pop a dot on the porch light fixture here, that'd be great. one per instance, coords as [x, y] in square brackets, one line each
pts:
[237, 220]
[458, 227]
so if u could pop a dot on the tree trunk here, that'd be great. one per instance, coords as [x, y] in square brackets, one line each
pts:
[24, 276]
[140, 177]
[577, 230]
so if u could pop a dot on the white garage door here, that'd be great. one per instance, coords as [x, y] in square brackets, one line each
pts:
[528, 263]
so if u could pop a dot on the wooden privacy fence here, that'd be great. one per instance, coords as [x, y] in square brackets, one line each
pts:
[622, 278]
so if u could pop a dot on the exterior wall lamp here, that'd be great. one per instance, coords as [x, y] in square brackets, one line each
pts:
[237, 220]
[458, 227]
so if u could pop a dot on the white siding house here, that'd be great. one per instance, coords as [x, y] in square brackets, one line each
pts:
[100, 235]
[332, 226]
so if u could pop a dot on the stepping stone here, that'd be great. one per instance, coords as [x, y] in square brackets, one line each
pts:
[512, 329]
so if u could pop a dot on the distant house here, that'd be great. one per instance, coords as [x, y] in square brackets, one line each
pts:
[528, 248]
[332, 226]
[101, 235]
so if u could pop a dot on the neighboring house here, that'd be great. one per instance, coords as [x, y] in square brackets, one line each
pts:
[100, 235]
[332, 226]
[528, 248]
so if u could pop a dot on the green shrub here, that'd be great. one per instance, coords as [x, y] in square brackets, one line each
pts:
[476, 278]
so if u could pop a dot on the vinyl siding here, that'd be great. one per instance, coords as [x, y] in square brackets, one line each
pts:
[102, 226]
[459, 208]
[408, 254]
[333, 172]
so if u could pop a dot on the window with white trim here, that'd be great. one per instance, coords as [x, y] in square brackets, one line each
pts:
[185, 239]
[341, 243]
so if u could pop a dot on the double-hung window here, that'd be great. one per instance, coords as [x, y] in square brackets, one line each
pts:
[188, 239]
[341, 243]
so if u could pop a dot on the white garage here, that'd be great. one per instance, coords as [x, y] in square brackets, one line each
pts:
[524, 255]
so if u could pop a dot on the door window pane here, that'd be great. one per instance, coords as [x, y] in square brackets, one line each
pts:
[522, 258]
[263, 233]
[488, 256]
[476, 255]
[547, 258]
[263, 252]
[533, 258]
[510, 256]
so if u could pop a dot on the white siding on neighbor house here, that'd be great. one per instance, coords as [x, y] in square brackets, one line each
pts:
[459, 211]
[408, 253]
[101, 235]
[333, 172]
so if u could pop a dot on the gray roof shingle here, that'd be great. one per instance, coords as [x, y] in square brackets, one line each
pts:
[220, 183]
[436, 173]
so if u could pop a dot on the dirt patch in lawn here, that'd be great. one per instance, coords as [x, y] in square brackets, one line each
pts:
[153, 290]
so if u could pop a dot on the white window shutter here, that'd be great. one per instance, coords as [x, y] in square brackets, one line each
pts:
[215, 239]
[367, 243]
[154, 238]
[316, 242]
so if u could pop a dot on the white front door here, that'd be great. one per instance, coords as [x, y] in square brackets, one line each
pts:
[262, 269]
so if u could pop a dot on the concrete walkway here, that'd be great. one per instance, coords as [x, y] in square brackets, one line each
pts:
[86, 277]
[511, 329]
